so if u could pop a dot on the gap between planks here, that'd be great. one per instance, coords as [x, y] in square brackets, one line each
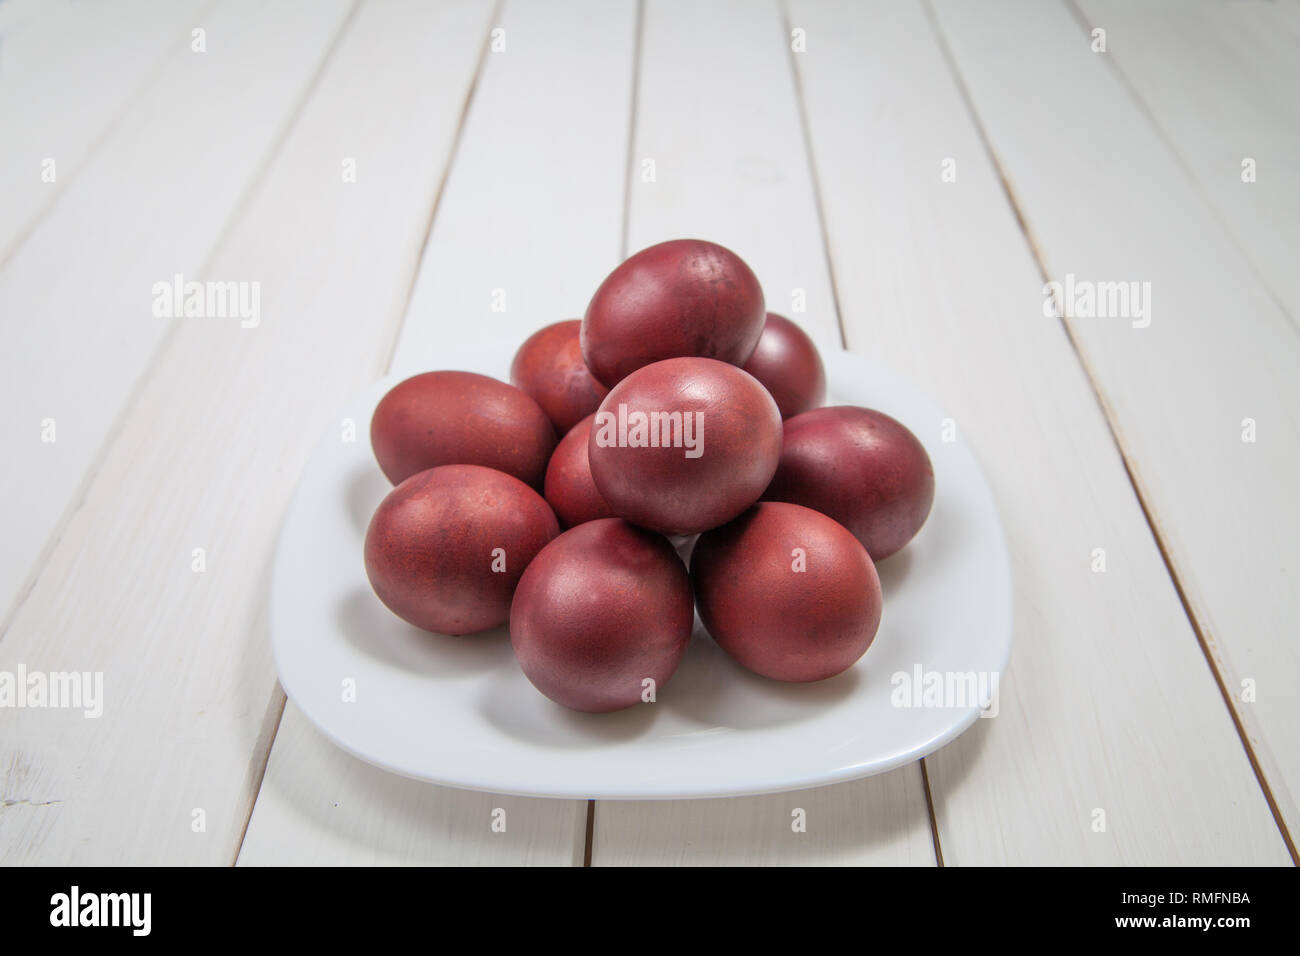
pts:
[631, 152]
[818, 203]
[261, 760]
[590, 838]
[1108, 414]
[934, 821]
[442, 183]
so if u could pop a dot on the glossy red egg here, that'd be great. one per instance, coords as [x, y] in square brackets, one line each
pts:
[570, 490]
[447, 546]
[603, 609]
[787, 592]
[460, 418]
[684, 445]
[549, 369]
[686, 297]
[862, 468]
[787, 363]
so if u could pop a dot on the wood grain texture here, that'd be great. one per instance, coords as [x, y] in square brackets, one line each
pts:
[1108, 703]
[150, 204]
[718, 116]
[48, 108]
[207, 455]
[532, 207]
[1183, 393]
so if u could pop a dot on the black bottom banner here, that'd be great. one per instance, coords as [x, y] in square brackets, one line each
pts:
[245, 905]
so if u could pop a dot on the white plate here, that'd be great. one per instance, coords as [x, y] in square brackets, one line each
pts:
[458, 711]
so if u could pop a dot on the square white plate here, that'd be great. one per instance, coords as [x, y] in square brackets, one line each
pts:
[458, 711]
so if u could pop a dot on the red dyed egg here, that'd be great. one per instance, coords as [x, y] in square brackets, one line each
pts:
[684, 445]
[787, 363]
[862, 468]
[787, 592]
[447, 546]
[603, 609]
[679, 298]
[460, 418]
[570, 490]
[549, 368]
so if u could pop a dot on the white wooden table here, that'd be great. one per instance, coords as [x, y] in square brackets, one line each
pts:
[904, 176]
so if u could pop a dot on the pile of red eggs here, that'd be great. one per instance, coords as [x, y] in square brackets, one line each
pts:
[685, 409]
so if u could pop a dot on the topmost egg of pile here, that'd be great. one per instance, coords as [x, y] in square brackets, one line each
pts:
[681, 298]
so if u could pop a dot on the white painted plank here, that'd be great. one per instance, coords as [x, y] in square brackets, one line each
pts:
[718, 116]
[1219, 80]
[718, 120]
[207, 455]
[874, 821]
[1186, 450]
[533, 206]
[318, 806]
[1108, 703]
[150, 204]
[1107, 201]
[67, 70]
[532, 217]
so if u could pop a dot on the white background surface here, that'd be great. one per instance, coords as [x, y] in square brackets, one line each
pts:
[523, 170]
